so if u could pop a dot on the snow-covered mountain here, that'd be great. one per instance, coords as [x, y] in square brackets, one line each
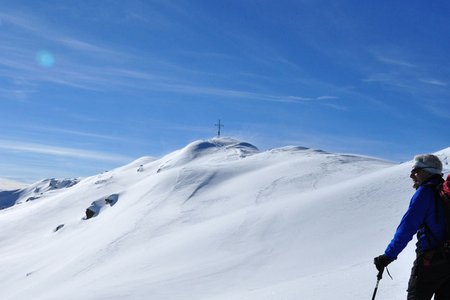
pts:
[17, 195]
[218, 219]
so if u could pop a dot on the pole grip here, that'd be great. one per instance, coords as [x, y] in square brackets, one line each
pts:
[380, 274]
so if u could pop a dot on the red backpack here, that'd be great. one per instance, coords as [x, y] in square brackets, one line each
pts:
[443, 193]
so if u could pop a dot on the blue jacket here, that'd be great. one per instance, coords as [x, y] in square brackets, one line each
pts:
[420, 218]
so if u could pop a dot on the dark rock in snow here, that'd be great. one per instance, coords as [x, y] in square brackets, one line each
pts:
[58, 227]
[98, 205]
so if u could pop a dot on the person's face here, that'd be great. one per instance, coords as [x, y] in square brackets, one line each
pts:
[419, 176]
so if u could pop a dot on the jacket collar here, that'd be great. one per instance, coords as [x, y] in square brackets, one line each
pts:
[435, 179]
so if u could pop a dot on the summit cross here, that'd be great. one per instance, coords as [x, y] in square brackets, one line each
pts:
[219, 127]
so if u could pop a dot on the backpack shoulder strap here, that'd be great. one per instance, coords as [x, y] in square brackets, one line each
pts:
[439, 201]
[436, 187]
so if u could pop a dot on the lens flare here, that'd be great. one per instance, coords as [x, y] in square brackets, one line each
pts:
[45, 59]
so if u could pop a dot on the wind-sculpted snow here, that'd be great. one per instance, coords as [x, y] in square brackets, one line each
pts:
[226, 148]
[218, 219]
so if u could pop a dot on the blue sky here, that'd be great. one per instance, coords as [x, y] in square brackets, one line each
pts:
[86, 86]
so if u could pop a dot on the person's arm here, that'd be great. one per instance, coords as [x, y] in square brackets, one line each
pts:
[410, 223]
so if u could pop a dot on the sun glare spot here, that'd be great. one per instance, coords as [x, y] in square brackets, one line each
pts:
[45, 59]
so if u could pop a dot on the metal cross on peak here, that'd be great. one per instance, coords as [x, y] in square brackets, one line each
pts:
[219, 127]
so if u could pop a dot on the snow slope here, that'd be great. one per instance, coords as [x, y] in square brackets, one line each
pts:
[217, 219]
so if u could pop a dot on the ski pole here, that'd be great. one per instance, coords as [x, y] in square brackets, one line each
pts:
[379, 276]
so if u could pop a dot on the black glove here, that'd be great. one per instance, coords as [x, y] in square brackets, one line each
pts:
[382, 262]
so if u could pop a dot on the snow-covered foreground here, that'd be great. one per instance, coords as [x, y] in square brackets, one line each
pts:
[215, 220]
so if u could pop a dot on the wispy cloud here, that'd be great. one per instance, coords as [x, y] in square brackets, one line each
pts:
[81, 74]
[442, 110]
[78, 133]
[417, 84]
[19, 21]
[391, 78]
[80, 45]
[24, 75]
[399, 72]
[9, 145]
[404, 81]
[434, 82]
[395, 61]
[201, 90]
[36, 27]
[74, 67]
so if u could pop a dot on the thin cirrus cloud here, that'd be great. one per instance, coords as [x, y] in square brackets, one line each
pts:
[8, 145]
[395, 62]
[201, 90]
[403, 71]
[20, 63]
[79, 133]
[37, 29]
[81, 74]
[434, 82]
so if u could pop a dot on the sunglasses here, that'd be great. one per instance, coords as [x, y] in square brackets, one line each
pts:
[416, 170]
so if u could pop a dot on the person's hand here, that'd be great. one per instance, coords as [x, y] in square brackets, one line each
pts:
[382, 262]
